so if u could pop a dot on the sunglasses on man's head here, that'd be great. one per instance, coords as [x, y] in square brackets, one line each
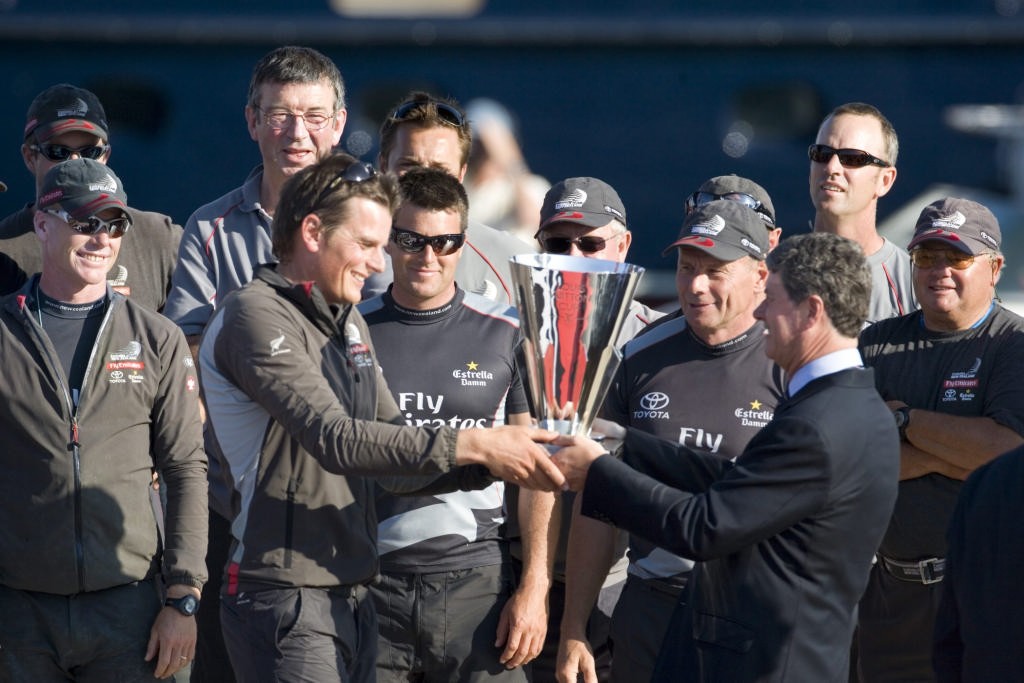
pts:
[93, 225]
[850, 158]
[63, 152]
[698, 199]
[446, 112]
[413, 243]
[588, 244]
[356, 172]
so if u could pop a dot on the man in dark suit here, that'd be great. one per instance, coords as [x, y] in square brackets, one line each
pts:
[784, 535]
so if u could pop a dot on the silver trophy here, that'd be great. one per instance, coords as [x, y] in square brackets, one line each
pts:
[570, 311]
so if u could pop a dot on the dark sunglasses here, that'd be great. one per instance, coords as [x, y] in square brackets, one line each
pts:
[356, 172]
[446, 112]
[850, 158]
[413, 243]
[701, 198]
[93, 225]
[63, 152]
[588, 244]
[929, 258]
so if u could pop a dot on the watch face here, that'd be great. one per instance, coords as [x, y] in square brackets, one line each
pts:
[187, 605]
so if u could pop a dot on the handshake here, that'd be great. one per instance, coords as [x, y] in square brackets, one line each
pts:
[520, 455]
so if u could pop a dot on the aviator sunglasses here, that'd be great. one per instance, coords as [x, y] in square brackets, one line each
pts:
[93, 225]
[701, 198]
[588, 244]
[63, 152]
[929, 258]
[413, 243]
[850, 158]
[447, 113]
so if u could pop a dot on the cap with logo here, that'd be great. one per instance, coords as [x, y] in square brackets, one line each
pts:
[82, 187]
[724, 229]
[729, 184]
[584, 201]
[62, 108]
[962, 223]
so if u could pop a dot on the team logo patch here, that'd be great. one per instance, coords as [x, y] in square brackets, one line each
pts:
[190, 384]
[472, 376]
[572, 200]
[756, 415]
[953, 221]
[710, 227]
[78, 109]
[962, 386]
[275, 345]
[130, 351]
[358, 350]
[652, 406]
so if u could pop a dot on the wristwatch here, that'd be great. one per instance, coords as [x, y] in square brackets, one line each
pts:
[902, 416]
[187, 604]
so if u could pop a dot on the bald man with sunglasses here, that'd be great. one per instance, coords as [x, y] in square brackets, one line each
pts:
[67, 122]
[951, 375]
[852, 166]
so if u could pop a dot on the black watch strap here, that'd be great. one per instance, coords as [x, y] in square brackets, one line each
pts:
[187, 604]
[902, 416]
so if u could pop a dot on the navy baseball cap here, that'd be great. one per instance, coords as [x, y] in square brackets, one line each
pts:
[62, 108]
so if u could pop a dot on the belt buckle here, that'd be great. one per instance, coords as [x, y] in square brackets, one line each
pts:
[931, 570]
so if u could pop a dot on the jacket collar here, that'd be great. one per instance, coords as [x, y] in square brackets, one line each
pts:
[307, 297]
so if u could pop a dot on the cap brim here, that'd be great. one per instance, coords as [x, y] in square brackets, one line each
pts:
[720, 250]
[45, 131]
[964, 244]
[82, 210]
[590, 220]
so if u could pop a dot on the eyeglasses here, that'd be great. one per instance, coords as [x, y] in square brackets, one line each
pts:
[446, 112]
[930, 258]
[588, 244]
[413, 243]
[94, 225]
[356, 172]
[63, 152]
[279, 120]
[701, 198]
[850, 158]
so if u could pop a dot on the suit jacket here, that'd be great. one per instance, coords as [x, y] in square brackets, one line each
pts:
[979, 633]
[783, 537]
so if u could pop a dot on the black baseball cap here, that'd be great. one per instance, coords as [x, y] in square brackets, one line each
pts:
[62, 108]
[82, 187]
[724, 229]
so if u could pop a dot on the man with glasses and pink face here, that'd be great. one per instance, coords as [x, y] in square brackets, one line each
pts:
[853, 165]
[67, 122]
[295, 113]
[951, 373]
[301, 414]
[447, 601]
[99, 392]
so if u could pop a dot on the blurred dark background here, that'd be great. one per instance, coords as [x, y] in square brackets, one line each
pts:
[653, 99]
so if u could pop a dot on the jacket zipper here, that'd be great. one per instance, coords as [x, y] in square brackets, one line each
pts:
[73, 404]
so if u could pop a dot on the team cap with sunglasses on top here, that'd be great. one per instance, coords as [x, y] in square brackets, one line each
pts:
[734, 188]
[81, 188]
[724, 229]
[967, 226]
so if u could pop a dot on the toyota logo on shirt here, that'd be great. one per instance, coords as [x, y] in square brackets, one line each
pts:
[654, 400]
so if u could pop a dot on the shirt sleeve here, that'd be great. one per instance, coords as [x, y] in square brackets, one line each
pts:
[193, 291]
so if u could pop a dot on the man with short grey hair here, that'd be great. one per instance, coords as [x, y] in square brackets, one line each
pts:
[783, 535]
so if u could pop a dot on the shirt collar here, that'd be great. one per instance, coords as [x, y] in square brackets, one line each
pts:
[828, 364]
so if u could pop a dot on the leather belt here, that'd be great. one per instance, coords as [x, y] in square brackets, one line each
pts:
[926, 571]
